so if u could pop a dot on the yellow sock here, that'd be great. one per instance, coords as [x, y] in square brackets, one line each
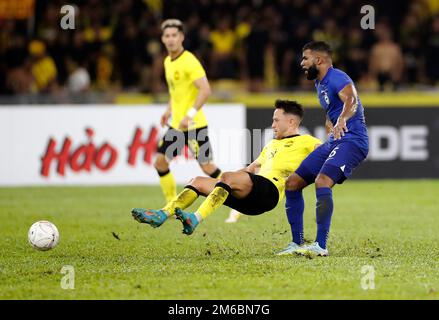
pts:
[169, 187]
[182, 201]
[213, 201]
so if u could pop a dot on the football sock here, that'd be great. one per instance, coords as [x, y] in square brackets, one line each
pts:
[324, 208]
[294, 206]
[214, 200]
[169, 187]
[183, 200]
[216, 174]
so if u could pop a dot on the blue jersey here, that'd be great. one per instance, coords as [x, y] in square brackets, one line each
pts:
[327, 89]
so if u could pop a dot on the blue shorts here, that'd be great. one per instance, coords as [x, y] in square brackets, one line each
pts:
[336, 160]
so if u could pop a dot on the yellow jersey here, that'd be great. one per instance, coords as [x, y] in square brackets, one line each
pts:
[44, 71]
[180, 75]
[281, 157]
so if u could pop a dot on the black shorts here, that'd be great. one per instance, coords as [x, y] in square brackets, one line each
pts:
[197, 140]
[263, 197]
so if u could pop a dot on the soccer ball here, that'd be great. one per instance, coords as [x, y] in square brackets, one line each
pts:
[43, 235]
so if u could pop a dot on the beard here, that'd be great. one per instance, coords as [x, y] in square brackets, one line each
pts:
[312, 73]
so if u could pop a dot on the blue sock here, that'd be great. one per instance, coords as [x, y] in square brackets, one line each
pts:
[294, 208]
[324, 208]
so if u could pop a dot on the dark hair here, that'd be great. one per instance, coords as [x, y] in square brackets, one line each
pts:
[318, 46]
[289, 106]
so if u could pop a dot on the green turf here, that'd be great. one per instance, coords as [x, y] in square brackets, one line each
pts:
[390, 225]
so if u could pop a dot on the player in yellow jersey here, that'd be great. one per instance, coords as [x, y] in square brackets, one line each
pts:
[188, 89]
[256, 189]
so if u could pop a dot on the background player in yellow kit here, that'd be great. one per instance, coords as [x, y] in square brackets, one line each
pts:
[253, 190]
[188, 89]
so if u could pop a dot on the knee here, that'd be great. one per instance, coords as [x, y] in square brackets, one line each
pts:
[199, 183]
[294, 183]
[207, 168]
[160, 163]
[323, 181]
[226, 177]
[196, 183]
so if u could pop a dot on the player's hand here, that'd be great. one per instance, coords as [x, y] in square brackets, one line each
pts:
[185, 123]
[340, 128]
[164, 119]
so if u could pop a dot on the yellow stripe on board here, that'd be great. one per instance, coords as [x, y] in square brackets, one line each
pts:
[307, 99]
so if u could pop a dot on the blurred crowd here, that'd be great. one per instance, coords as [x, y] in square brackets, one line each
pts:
[116, 46]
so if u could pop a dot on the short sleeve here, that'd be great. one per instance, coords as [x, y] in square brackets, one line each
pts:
[261, 158]
[312, 143]
[194, 69]
[340, 80]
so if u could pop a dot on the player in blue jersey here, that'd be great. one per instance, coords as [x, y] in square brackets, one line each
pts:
[347, 146]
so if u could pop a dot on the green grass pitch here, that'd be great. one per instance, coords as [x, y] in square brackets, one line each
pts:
[392, 226]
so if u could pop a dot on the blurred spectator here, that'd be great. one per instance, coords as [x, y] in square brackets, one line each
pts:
[117, 43]
[104, 68]
[43, 67]
[331, 34]
[20, 80]
[411, 47]
[355, 57]
[255, 45]
[79, 79]
[432, 52]
[224, 39]
[386, 61]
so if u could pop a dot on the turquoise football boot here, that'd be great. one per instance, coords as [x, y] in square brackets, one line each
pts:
[189, 221]
[155, 218]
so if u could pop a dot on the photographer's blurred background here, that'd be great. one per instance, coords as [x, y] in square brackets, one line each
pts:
[245, 46]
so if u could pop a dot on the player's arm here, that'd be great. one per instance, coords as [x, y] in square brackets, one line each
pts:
[204, 92]
[328, 126]
[349, 97]
[252, 167]
[166, 115]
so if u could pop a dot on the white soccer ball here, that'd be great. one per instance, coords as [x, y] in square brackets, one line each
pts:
[43, 235]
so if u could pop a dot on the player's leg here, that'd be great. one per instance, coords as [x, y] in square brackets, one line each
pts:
[341, 161]
[210, 169]
[170, 145]
[167, 180]
[294, 208]
[234, 216]
[238, 184]
[196, 187]
[294, 204]
[324, 210]
[202, 150]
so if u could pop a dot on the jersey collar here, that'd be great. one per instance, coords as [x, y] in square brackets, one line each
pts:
[292, 136]
[325, 78]
[178, 56]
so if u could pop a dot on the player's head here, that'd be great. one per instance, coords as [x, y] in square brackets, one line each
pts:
[315, 56]
[286, 118]
[172, 35]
